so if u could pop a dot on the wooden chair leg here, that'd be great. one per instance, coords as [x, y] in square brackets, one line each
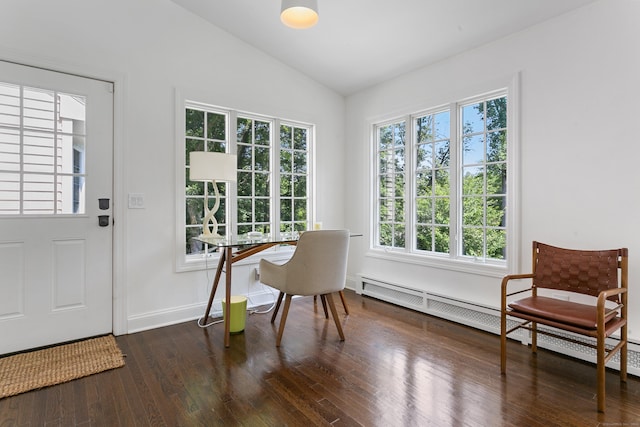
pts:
[334, 313]
[283, 319]
[623, 355]
[277, 307]
[324, 306]
[344, 302]
[534, 337]
[601, 373]
[503, 343]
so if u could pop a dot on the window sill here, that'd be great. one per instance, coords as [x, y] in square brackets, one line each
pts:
[497, 269]
[210, 261]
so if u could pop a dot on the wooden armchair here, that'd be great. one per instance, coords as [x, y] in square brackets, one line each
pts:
[600, 274]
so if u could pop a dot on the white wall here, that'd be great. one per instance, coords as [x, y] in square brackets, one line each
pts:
[579, 86]
[578, 139]
[153, 48]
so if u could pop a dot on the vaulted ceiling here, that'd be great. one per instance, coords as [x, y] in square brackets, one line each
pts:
[360, 43]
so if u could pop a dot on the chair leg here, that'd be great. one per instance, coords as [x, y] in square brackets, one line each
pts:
[601, 371]
[623, 355]
[344, 303]
[503, 342]
[277, 307]
[283, 318]
[334, 313]
[324, 306]
[534, 337]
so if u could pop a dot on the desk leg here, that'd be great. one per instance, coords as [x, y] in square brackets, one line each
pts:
[227, 296]
[214, 286]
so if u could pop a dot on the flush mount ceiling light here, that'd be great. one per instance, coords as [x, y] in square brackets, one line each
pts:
[299, 14]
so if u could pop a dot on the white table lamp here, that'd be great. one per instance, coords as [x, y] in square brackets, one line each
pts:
[211, 166]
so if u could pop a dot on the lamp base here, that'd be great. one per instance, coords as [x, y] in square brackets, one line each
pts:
[211, 236]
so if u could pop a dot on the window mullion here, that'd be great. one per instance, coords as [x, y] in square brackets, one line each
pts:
[409, 179]
[232, 187]
[274, 173]
[455, 168]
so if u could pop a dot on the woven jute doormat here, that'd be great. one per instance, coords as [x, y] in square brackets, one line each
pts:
[36, 369]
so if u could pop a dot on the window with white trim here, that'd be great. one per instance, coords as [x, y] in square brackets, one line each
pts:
[42, 151]
[440, 182]
[254, 148]
[294, 177]
[261, 199]
[205, 130]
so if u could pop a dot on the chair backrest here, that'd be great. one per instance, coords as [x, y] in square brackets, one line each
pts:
[319, 263]
[583, 271]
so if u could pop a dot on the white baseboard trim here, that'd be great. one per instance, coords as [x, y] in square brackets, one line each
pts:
[171, 316]
[484, 318]
[186, 313]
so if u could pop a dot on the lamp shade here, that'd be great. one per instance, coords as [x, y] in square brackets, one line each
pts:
[209, 166]
[299, 14]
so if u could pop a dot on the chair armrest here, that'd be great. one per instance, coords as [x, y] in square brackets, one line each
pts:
[600, 305]
[506, 279]
[610, 292]
[272, 274]
[604, 295]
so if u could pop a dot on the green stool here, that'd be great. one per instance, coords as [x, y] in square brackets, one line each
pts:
[238, 313]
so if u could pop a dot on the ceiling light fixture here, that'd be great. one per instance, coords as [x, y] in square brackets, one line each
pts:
[299, 14]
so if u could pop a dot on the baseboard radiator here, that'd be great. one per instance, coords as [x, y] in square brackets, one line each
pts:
[486, 319]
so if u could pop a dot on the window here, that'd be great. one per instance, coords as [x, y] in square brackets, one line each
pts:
[433, 184]
[391, 189]
[42, 149]
[294, 177]
[441, 182]
[484, 178]
[260, 200]
[254, 148]
[204, 131]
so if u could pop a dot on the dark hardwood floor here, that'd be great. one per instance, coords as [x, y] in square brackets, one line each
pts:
[397, 367]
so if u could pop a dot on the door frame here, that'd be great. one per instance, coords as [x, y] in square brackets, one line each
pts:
[119, 289]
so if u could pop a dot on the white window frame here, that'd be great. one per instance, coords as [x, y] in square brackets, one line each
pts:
[274, 148]
[35, 177]
[184, 262]
[452, 261]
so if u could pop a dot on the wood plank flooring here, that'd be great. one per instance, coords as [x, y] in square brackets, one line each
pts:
[397, 367]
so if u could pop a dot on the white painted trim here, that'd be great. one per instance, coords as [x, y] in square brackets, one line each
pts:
[119, 288]
[192, 312]
[464, 266]
[119, 209]
[510, 86]
[481, 317]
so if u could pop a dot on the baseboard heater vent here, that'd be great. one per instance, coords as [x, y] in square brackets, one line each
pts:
[484, 318]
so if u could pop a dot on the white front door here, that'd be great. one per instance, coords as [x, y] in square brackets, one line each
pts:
[56, 161]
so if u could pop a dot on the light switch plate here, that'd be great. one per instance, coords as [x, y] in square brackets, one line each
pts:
[136, 201]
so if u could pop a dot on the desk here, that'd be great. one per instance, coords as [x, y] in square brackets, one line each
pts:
[245, 247]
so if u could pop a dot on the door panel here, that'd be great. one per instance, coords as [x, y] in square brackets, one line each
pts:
[55, 163]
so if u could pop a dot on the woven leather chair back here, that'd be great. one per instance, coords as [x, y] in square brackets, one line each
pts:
[586, 272]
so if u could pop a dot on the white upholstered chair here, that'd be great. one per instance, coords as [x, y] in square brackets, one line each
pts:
[318, 267]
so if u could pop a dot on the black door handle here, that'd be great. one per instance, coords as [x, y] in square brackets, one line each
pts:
[103, 220]
[103, 204]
